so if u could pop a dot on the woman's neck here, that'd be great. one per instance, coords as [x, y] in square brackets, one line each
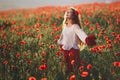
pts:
[69, 22]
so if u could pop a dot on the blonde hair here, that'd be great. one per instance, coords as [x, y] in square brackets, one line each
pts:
[75, 20]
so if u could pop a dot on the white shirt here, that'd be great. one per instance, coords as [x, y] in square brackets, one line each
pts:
[69, 37]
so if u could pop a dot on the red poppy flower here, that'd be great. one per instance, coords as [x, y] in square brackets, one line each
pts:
[73, 77]
[43, 67]
[59, 17]
[44, 53]
[43, 60]
[22, 42]
[116, 41]
[91, 28]
[114, 33]
[89, 66]
[118, 36]
[44, 79]
[13, 22]
[115, 63]
[28, 61]
[84, 74]
[116, 54]
[5, 62]
[57, 53]
[109, 46]
[17, 55]
[52, 46]
[32, 78]
[119, 64]
[13, 67]
[73, 62]
[81, 68]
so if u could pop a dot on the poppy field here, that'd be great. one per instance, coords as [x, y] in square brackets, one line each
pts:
[29, 49]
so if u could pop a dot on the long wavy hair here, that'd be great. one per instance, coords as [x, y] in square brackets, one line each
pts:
[75, 20]
[75, 17]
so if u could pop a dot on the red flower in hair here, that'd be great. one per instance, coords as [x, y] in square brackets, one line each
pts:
[91, 40]
[76, 12]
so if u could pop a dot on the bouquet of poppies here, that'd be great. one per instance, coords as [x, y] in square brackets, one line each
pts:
[91, 40]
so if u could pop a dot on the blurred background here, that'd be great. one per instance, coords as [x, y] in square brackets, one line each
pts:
[16, 4]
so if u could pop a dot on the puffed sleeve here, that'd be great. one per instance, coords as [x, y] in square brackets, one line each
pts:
[80, 33]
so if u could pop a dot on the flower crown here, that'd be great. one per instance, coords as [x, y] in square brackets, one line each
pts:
[75, 11]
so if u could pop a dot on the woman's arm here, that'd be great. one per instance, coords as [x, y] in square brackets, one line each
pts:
[89, 40]
[60, 39]
[80, 33]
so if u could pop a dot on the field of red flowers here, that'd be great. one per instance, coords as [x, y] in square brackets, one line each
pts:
[29, 49]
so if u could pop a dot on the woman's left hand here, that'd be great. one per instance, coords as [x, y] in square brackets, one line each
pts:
[91, 40]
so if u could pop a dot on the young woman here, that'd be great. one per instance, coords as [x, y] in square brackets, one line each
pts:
[71, 35]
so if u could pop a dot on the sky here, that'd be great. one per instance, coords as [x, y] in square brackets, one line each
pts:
[15, 4]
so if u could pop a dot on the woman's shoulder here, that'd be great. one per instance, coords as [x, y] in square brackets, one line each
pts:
[76, 26]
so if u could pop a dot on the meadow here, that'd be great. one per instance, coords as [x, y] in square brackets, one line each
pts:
[29, 49]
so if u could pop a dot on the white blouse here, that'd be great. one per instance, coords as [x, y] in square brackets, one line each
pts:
[69, 37]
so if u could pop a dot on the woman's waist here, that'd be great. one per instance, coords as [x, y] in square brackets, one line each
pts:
[68, 47]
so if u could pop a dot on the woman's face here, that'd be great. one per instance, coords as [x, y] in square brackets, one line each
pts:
[69, 14]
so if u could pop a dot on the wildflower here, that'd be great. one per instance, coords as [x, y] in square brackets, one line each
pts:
[28, 61]
[43, 53]
[109, 46]
[43, 67]
[73, 77]
[13, 22]
[57, 53]
[84, 74]
[73, 62]
[17, 55]
[89, 66]
[5, 62]
[116, 54]
[44, 79]
[115, 63]
[22, 42]
[52, 46]
[81, 68]
[32, 78]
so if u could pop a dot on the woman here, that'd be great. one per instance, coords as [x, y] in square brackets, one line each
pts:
[71, 35]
